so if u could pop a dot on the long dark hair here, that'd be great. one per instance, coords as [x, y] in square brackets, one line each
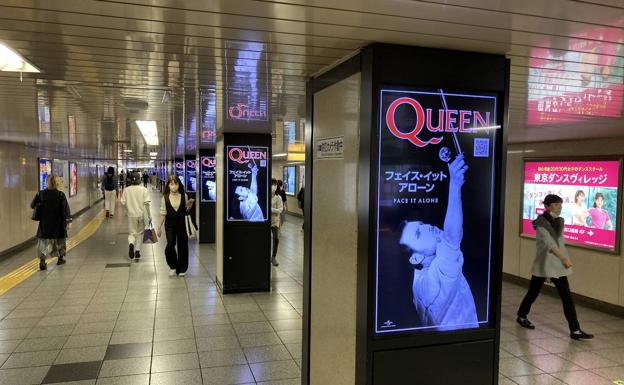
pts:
[173, 178]
[598, 195]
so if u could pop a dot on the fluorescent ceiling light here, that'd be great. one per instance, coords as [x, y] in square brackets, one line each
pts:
[149, 131]
[280, 155]
[14, 62]
[127, 150]
[153, 153]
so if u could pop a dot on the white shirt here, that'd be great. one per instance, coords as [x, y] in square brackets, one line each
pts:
[442, 296]
[277, 206]
[137, 200]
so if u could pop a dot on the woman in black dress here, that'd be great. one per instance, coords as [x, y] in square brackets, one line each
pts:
[55, 220]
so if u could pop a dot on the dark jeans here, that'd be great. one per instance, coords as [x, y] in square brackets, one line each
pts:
[563, 288]
[275, 232]
[177, 260]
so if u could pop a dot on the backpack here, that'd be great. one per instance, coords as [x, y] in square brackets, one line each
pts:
[109, 185]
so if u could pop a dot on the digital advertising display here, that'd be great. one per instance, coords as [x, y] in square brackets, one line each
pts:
[71, 127]
[581, 82]
[191, 175]
[73, 179]
[45, 169]
[301, 173]
[59, 169]
[590, 194]
[247, 178]
[290, 179]
[435, 193]
[179, 170]
[208, 179]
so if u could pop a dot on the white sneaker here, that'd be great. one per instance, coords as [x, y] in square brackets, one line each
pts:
[172, 272]
[182, 274]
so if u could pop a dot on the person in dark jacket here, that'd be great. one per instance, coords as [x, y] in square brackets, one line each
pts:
[55, 219]
[173, 208]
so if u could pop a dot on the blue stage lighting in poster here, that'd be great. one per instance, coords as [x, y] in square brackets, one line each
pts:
[179, 170]
[208, 179]
[191, 175]
[434, 212]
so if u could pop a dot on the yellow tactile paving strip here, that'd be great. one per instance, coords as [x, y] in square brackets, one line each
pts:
[22, 273]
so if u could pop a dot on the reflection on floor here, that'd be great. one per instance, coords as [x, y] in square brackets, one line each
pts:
[99, 319]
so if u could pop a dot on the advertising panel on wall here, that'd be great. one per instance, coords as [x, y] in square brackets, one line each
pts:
[247, 181]
[591, 199]
[60, 170]
[71, 128]
[73, 179]
[290, 179]
[301, 174]
[45, 169]
[191, 175]
[179, 170]
[434, 210]
[208, 179]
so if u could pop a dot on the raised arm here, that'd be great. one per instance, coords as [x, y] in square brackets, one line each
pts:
[254, 182]
[454, 220]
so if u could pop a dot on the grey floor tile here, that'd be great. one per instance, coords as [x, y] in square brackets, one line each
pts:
[38, 344]
[217, 343]
[295, 381]
[275, 370]
[72, 372]
[227, 375]
[267, 353]
[581, 378]
[512, 367]
[290, 336]
[207, 320]
[139, 379]
[94, 327]
[30, 359]
[131, 350]
[550, 363]
[129, 337]
[214, 331]
[210, 359]
[253, 327]
[83, 382]
[9, 346]
[87, 340]
[289, 324]
[248, 317]
[259, 339]
[589, 360]
[85, 354]
[14, 334]
[186, 377]
[125, 367]
[175, 362]
[173, 334]
[24, 376]
[175, 347]
[611, 373]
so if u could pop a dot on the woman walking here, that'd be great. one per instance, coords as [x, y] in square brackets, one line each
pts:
[54, 221]
[173, 208]
[277, 207]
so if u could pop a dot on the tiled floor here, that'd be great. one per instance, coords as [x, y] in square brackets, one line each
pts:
[94, 322]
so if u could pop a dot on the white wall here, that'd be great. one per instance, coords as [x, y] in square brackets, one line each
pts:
[597, 275]
[291, 201]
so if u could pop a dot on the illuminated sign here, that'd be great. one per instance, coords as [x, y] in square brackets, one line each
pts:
[590, 194]
[73, 179]
[290, 180]
[191, 175]
[247, 178]
[241, 111]
[208, 179]
[179, 170]
[434, 211]
[45, 169]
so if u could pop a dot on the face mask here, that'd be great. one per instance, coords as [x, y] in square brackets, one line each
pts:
[173, 188]
[273, 189]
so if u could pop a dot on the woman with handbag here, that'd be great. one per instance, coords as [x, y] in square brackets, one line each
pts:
[173, 210]
[51, 209]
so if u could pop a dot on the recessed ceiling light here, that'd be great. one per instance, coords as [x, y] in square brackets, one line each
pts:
[14, 62]
[149, 131]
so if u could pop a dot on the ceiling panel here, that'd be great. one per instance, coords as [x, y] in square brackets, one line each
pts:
[150, 59]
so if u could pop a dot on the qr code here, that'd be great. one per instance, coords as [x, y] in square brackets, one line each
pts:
[481, 148]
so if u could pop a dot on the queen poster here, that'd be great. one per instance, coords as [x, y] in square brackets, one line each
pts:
[434, 212]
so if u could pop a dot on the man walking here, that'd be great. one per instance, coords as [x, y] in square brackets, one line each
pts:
[109, 188]
[137, 199]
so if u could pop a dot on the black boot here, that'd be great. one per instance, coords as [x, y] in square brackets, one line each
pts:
[274, 262]
[131, 251]
[61, 260]
[137, 254]
[43, 265]
[525, 323]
